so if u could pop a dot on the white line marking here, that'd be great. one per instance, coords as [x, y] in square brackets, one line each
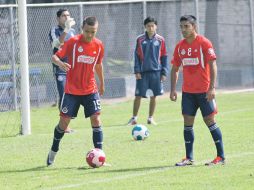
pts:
[150, 171]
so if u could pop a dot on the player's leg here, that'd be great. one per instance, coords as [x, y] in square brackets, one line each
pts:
[189, 109]
[140, 91]
[60, 81]
[154, 84]
[208, 110]
[136, 106]
[152, 106]
[92, 107]
[97, 131]
[58, 135]
[69, 109]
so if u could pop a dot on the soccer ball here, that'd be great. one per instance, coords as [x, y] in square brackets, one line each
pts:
[95, 158]
[140, 132]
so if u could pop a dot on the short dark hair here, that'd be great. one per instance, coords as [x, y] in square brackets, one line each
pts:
[150, 19]
[60, 11]
[91, 21]
[190, 18]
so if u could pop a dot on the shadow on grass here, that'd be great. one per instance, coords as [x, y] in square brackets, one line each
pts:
[140, 169]
[44, 168]
[106, 169]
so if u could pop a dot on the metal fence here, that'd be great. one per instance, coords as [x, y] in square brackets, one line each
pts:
[227, 23]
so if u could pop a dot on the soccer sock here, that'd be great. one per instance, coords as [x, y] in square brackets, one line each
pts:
[188, 134]
[58, 135]
[217, 137]
[97, 137]
[135, 117]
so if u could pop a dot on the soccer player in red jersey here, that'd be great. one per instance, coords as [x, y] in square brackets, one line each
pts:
[85, 54]
[196, 55]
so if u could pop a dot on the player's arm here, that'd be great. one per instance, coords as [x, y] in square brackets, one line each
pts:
[164, 61]
[57, 41]
[210, 55]
[165, 67]
[70, 22]
[57, 61]
[213, 76]
[100, 74]
[54, 39]
[137, 62]
[174, 77]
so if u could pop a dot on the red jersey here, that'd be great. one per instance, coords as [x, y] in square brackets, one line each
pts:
[194, 58]
[82, 56]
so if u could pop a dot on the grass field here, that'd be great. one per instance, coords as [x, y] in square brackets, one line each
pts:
[144, 165]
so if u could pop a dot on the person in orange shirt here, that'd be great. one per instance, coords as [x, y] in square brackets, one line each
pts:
[85, 54]
[195, 53]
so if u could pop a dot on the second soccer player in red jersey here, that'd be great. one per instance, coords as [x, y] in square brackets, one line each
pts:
[196, 55]
[85, 54]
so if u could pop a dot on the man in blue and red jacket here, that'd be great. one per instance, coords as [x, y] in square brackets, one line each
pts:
[150, 68]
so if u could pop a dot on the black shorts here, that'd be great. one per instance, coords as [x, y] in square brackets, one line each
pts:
[71, 103]
[150, 81]
[192, 101]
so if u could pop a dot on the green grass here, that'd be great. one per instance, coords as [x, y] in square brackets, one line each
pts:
[145, 165]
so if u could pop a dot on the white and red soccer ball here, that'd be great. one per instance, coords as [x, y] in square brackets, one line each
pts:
[95, 158]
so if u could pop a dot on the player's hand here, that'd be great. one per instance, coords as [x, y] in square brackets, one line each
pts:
[65, 66]
[68, 24]
[210, 95]
[163, 78]
[138, 76]
[173, 96]
[101, 89]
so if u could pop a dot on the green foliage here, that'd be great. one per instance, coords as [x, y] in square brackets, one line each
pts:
[145, 164]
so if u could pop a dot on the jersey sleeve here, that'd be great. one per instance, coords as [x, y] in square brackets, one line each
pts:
[176, 60]
[208, 51]
[54, 38]
[164, 59]
[138, 54]
[101, 55]
[64, 50]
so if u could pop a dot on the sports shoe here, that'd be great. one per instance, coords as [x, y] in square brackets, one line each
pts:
[69, 130]
[218, 160]
[132, 121]
[185, 162]
[51, 157]
[151, 121]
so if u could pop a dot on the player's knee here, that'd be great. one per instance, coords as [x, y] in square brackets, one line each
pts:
[64, 122]
[153, 98]
[188, 120]
[95, 120]
[138, 98]
[209, 120]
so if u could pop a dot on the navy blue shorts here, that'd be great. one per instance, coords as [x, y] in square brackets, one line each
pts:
[71, 103]
[152, 81]
[191, 102]
[60, 82]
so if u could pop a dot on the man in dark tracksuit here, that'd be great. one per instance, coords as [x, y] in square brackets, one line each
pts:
[57, 36]
[150, 68]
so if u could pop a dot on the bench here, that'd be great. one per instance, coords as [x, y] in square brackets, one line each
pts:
[7, 87]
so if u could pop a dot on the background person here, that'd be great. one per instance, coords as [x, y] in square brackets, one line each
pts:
[150, 68]
[57, 36]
